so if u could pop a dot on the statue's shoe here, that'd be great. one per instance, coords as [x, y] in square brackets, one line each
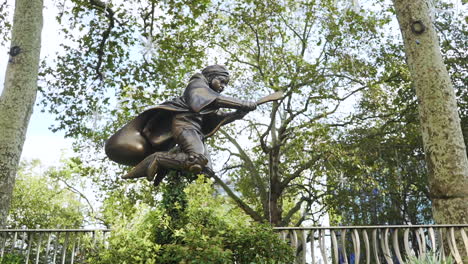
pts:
[195, 168]
[196, 162]
[141, 170]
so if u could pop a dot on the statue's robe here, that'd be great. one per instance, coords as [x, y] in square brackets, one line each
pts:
[152, 130]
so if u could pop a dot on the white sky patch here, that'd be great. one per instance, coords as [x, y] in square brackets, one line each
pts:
[43, 144]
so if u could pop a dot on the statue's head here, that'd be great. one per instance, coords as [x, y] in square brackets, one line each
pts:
[217, 76]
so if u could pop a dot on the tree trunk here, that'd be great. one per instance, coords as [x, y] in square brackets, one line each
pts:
[19, 93]
[442, 136]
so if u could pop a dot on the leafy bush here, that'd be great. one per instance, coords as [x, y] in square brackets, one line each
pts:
[9, 258]
[41, 201]
[194, 227]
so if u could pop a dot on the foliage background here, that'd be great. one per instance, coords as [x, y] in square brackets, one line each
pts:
[192, 225]
[344, 140]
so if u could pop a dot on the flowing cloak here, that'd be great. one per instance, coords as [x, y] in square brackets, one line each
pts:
[151, 130]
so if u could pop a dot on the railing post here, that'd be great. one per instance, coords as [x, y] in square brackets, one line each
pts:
[343, 245]
[441, 246]
[49, 239]
[73, 249]
[312, 249]
[422, 241]
[367, 245]
[384, 246]
[432, 238]
[23, 241]
[453, 246]
[15, 237]
[406, 242]
[56, 247]
[294, 240]
[64, 248]
[396, 247]
[94, 239]
[465, 240]
[38, 251]
[3, 243]
[30, 240]
[356, 246]
[304, 246]
[376, 246]
[322, 246]
[334, 246]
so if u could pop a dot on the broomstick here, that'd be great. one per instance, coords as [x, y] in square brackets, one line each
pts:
[269, 98]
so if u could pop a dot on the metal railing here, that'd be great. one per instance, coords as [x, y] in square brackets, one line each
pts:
[344, 244]
[376, 244]
[66, 246]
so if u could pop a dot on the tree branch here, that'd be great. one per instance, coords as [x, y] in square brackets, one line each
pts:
[245, 207]
[298, 172]
[285, 221]
[74, 190]
[252, 168]
[110, 14]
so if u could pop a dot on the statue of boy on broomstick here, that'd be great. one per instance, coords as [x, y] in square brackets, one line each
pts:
[147, 142]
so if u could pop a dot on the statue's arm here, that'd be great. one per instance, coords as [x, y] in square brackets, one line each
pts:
[234, 103]
[219, 118]
[231, 116]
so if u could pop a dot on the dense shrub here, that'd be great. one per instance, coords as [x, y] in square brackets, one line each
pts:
[9, 258]
[191, 225]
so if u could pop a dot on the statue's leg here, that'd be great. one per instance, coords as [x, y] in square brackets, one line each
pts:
[141, 169]
[156, 162]
[191, 142]
[191, 157]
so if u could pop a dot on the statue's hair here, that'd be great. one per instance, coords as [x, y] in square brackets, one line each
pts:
[214, 70]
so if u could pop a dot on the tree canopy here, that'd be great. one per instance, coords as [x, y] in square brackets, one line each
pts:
[40, 200]
[345, 138]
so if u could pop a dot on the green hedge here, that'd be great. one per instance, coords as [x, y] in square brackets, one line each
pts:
[192, 225]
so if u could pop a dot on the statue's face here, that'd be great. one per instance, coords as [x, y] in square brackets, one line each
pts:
[218, 83]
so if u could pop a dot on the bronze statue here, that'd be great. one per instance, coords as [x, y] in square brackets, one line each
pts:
[171, 135]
